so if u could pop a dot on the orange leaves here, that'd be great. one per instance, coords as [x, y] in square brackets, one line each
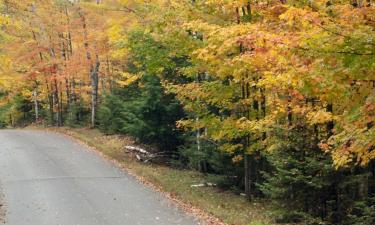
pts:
[353, 146]
[278, 10]
[49, 69]
[370, 105]
[243, 73]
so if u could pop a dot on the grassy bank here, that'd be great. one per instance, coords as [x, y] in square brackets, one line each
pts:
[209, 203]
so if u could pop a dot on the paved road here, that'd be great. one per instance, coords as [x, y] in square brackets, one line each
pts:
[48, 179]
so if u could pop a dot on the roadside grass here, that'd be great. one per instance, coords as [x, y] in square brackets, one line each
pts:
[224, 205]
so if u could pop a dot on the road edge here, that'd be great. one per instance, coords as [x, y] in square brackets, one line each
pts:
[2, 206]
[204, 217]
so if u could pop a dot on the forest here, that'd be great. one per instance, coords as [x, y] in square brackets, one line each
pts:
[278, 96]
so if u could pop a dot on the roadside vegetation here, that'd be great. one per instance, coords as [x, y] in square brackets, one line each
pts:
[272, 99]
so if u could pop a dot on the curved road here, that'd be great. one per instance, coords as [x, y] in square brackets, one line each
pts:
[48, 179]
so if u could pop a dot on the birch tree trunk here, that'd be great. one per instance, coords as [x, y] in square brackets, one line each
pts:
[94, 75]
[36, 105]
[94, 71]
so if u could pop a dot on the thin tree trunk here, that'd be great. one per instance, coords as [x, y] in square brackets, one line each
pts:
[36, 104]
[61, 108]
[94, 74]
[247, 167]
[330, 124]
[50, 102]
[247, 157]
[57, 102]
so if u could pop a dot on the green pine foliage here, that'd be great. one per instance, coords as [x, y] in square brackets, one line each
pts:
[304, 186]
[143, 111]
[78, 115]
[4, 117]
[206, 159]
[17, 112]
[363, 213]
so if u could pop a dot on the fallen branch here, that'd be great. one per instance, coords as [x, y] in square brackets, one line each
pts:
[208, 184]
[146, 156]
[137, 149]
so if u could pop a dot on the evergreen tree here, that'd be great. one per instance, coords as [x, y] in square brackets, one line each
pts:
[143, 110]
[305, 187]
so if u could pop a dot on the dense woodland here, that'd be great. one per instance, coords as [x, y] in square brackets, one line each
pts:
[277, 96]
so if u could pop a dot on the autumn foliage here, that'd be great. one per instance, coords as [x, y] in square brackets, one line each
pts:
[259, 82]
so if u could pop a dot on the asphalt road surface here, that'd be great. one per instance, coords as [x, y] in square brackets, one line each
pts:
[48, 179]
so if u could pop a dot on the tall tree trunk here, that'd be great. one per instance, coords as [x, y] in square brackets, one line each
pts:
[57, 103]
[330, 124]
[35, 92]
[50, 102]
[247, 168]
[36, 104]
[246, 141]
[69, 36]
[247, 156]
[94, 74]
[94, 71]
[61, 108]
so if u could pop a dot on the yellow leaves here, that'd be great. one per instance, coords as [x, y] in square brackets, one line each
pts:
[115, 33]
[299, 18]
[226, 130]
[127, 79]
[200, 26]
[252, 126]
[278, 10]
[6, 63]
[281, 81]
[273, 147]
[354, 144]
[231, 148]
[358, 152]
[3, 101]
[4, 20]
[226, 41]
[183, 124]
[8, 79]
[270, 79]
[319, 117]
[227, 5]
[237, 159]
[26, 93]
[190, 91]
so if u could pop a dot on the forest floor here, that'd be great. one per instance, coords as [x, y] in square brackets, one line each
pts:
[209, 203]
